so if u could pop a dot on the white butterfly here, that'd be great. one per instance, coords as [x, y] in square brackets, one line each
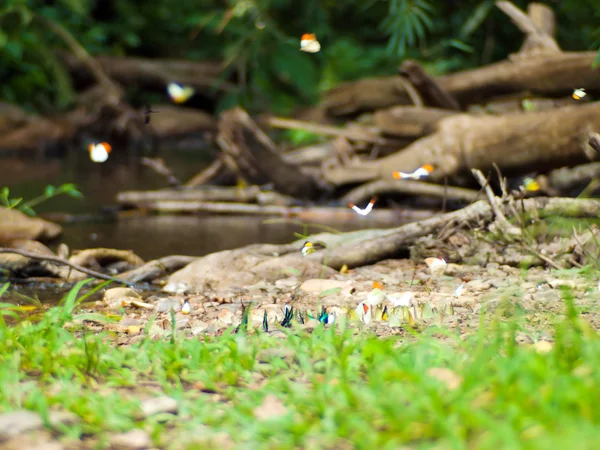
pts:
[401, 298]
[437, 266]
[422, 172]
[363, 311]
[179, 93]
[309, 43]
[186, 308]
[99, 152]
[363, 212]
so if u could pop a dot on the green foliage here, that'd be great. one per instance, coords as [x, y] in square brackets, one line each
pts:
[259, 41]
[50, 192]
[333, 385]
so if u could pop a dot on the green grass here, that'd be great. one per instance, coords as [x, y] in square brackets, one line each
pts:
[341, 388]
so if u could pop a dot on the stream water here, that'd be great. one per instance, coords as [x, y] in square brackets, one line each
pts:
[148, 236]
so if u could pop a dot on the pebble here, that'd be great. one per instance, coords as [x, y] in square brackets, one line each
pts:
[18, 422]
[134, 439]
[157, 405]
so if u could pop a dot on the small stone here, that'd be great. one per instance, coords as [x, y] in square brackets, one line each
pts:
[318, 286]
[166, 304]
[18, 422]
[287, 282]
[157, 405]
[134, 439]
[478, 285]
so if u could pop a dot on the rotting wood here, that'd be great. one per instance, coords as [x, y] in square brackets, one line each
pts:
[567, 177]
[594, 141]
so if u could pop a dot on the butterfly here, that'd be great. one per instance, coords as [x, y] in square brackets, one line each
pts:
[437, 266]
[99, 152]
[179, 93]
[186, 308]
[310, 247]
[530, 184]
[422, 172]
[363, 311]
[309, 43]
[578, 94]
[147, 113]
[363, 212]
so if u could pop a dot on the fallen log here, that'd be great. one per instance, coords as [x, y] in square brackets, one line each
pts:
[416, 188]
[175, 120]
[409, 121]
[517, 143]
[146, 199]
[155, 73]
[543, 74]
[302, 213]
[251, 153]
[388, 243]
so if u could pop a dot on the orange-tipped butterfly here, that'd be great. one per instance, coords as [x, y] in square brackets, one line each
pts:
[99, 152]
[179, 93]
[309, 43]
[578, 94]
[422, 172]
[366, 210]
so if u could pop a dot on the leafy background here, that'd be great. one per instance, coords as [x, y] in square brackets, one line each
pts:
[259, 41]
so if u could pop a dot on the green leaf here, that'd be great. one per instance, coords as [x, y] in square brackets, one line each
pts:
[3, 39]
[460, 45]
[27, 210]
[4, 288]
[476, 19]
[50, 190]
[69, 301]
[13, 202]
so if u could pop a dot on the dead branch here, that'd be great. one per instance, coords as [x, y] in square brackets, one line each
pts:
[157, 73]
[57, 260]
[355, 134]
[159, 166]
[567, 177]
[428, 88]
[536, 37]
[206, 175]
[409, 187]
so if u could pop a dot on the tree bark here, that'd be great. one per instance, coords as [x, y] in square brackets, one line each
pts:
[517, 143]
